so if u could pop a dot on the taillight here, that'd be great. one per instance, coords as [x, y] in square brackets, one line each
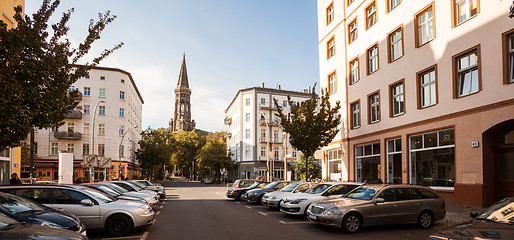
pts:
[444, 206]
[237, 186]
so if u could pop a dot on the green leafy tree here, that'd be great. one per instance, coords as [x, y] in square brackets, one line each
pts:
[37, 67]
[155, 149]
[311, 124]
[314, 168]
[214, 155]
[184, 155]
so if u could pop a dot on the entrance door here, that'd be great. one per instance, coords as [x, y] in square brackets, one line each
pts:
[504, 173]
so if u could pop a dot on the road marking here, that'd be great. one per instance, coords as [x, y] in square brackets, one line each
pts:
[144, 236]
[157, 213]
[127, 237]
[160, 207]
[248, 207]
[292, 222]
[265, 214]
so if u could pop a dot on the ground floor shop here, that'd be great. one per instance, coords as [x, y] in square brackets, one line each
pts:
[467, 157]
[258, 169]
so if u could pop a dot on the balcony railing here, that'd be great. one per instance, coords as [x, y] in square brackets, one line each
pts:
[68, 135]
[75, 114]
[228, 121]
[271, 140]
[272, 123]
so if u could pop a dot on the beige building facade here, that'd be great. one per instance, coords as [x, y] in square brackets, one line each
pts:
[428, 94]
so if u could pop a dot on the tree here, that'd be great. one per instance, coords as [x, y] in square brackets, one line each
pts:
[314, 168]
[187, 146]
[311, 124]
[511, 13]
[214, 155]
[155, 149]
[37, 69]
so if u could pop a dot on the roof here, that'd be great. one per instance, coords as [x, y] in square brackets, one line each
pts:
[182, 78]
[269, 90]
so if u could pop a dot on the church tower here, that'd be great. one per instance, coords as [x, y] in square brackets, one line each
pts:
[181, 120]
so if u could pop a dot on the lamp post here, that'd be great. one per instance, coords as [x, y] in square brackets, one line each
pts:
[120, 150]
[267, 147]
[91, 169]
[285, 155]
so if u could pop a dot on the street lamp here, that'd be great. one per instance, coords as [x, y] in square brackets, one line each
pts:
[120, 150]
[267, 147]
[91, 169]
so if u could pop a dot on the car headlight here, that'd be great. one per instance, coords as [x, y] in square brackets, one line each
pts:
[331, 211]
[146, 210]
[49, 224]
[251, 194]
[272, 197]
[296, 201]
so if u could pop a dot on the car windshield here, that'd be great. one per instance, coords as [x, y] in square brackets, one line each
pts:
[146, 183]
[137, 187]
[290, 187]
[15, 205]
[106, 190]
[271, 185]
[255, 184]
[138, 184]
[117, 188]
[362, 193]
[500, 212]
[125, 186]
[318, 189]
[99, 195]
[6, 221]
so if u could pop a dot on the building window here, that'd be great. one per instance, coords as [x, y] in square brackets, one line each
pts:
[427, 87]
[247, 133]
[508, 55]
[85, 149]
[71, 127]
[425, 26]
[433, 158]
[54, 148]
[70, 147]
[330, 13]
[247, 102]
[85, 128]
[247, 117]
[87, 77]
[275, 136]
[331, 48]
[247, 151]
[122, 95]
[86, 109]
[367, 162]
[374, 107]
[263, 135]
[101, 110]
[263, 101]
[121, 130]
[397, 99]
[391, 4]
[122, 80]
[284, 103]
[263, 151]
[101, 129]
[467, 76]
[101, 149]
[395, 44]
[394, 161]
[354, 70]
[350, 2]
[372, 55]
[87, 91]
[352, 31]
[332, 83]
[356, 116]
[101, 93]
[122, 112]
[371, 15]
[102, 77]
[464, 10]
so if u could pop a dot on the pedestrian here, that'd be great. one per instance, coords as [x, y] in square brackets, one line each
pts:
[14, 179]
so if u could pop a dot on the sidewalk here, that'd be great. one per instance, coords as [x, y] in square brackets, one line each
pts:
[457, 215]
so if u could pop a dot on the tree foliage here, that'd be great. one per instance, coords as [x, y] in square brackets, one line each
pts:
[187, 145]
[38, 66]
[214, 155]
[311, 124]
[155, 149]
[314, 168]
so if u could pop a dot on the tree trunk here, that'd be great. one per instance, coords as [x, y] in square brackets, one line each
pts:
[32, 153]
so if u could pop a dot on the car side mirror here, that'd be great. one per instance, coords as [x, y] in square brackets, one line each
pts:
[473, 214]
[86, 202]
[379, 200]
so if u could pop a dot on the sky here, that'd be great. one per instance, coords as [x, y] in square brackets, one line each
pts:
[229, 45]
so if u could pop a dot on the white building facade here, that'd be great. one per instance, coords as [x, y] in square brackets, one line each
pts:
[112, 94]
[254, 135]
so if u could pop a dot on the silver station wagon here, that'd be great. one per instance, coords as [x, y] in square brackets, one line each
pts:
[380, 204]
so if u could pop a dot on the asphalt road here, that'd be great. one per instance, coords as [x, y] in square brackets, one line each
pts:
[198, 211]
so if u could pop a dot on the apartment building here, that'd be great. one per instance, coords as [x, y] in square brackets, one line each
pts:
[254, 135]
[428, 94]
[107, 122]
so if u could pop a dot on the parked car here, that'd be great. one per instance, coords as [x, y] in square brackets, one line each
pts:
[380, 204]
[255, 195]
[297, 204]
[158, 190]
[273, 199]
[242, 183]
[496, 222]
[94, 209]
[24, 210]
[151, 198]
[113, 193]
[238, 193]
[10, 229]
[148, 183]
[134, 188]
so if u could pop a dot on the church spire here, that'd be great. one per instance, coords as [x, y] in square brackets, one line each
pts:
[182, 78]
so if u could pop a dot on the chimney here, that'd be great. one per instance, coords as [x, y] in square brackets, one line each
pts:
[278, 87]
[262, 85]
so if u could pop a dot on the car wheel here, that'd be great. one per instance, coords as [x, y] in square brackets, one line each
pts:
[239, 197]
[352, 223]
[259, 200]
[118, 225]
[425, 220]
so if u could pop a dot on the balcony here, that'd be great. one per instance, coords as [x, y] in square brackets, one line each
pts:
[228, 121]
[275, 123]
[68, 135]
[272, 108]
[75, 114]
[271, 140]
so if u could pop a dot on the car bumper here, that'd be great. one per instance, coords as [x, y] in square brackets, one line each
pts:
[251, 198]
[332, 220]
[144, 220]
[273, 203]
[291, 210]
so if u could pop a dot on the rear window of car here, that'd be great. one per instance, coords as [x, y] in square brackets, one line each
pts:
[427, 193]
[408, 194]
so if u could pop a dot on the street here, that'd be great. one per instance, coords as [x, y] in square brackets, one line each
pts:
[198, 211]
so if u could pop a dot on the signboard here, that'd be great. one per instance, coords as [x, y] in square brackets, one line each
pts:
[90, 161]
[105, 162]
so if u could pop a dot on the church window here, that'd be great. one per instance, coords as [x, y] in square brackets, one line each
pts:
[182, 109]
